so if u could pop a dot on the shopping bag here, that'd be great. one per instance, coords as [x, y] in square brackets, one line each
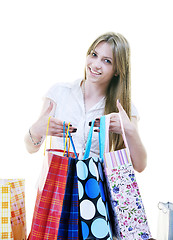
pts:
[68, 226]
[49, 206]
[93, 205]
[5, 212]
[12, 213]
[131, 221]
[165, 221]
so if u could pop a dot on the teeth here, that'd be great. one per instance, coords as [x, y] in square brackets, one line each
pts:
[95, 72]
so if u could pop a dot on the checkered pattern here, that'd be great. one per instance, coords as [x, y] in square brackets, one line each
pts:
[5, 213]
[12, 200]
[68, 227]
[49, 202]
[18, 217]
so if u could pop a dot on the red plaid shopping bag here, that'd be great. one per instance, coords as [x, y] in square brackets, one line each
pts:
[48, 218]
[49, 201]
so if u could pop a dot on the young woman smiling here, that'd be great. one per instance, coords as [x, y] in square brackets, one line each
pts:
[105, 89]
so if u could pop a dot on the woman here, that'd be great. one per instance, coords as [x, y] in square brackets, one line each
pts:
[105, 89]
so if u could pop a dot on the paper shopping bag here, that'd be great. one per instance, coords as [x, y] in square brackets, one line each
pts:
[13, 218]
[54, 209]
[68, 226]
[130, 217]
[5, 212]
[165, 221]
[49, 201]
[94, 214]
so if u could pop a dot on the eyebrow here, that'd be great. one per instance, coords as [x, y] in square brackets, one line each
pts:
[103, 56]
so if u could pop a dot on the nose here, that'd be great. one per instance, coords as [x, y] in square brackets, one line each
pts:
[96, 63]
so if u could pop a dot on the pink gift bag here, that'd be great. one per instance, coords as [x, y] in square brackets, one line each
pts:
[129, 214]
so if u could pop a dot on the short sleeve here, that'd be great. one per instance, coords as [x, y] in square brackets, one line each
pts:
[58, 92]
[53, 93]
[134, 112]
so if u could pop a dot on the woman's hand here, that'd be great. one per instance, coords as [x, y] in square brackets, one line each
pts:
[39, 128]
[115, 125]
[136, 147]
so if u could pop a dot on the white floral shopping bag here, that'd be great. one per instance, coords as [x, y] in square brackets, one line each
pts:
[129, 214]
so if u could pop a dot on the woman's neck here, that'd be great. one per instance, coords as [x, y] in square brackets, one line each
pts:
[93, 90]
[92, 94]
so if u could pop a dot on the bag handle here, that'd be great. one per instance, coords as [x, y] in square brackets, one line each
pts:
[89, 140]
[107, 133]
[46, 136]
[65, 141]
[74, 150]
[103, 136]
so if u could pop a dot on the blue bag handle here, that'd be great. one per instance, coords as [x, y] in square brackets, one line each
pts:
[64, 136]
[102, 135]
[89, 140]
[74, 150]
[101, 138]
[73, 145]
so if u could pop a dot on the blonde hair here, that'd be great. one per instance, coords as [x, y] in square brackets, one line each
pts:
[120, 85]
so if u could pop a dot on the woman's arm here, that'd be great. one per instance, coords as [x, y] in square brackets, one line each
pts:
[136, 147]
[38, 129]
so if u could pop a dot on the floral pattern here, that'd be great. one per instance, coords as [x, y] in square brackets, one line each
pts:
[131, 222]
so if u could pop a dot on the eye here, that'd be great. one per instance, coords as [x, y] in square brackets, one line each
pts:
[93, 54]
[108, 61]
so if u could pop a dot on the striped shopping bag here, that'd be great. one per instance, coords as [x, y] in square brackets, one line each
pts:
[127, 206]
[12, 213]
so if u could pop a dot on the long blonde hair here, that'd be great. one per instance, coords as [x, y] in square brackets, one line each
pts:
[120, 85]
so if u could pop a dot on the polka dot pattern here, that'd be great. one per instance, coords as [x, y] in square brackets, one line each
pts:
[87, 209]
[99, 228]
[92, 200]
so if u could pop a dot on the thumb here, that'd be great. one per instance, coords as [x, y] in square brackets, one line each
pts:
[119, 106]
[48, 109]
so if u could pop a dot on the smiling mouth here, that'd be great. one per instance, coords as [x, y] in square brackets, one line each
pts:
[94, 72]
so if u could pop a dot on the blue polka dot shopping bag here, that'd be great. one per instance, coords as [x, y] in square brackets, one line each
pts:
[126, 201]
[93, 205]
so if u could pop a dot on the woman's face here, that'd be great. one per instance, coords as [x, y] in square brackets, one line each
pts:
[99, 65]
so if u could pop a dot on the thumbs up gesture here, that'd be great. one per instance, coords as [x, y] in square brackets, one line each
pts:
[38, 129]
[115, 125]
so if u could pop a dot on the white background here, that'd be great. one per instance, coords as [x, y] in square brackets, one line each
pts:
[42, 42]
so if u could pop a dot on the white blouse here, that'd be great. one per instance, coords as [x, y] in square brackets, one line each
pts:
[70, 108]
